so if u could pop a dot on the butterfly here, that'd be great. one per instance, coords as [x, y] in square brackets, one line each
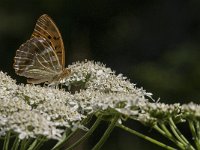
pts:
[42, 57]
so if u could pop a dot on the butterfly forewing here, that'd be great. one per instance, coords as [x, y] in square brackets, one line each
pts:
[36, 59]
[46, 28]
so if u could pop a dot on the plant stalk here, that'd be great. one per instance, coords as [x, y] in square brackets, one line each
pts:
[107, 133]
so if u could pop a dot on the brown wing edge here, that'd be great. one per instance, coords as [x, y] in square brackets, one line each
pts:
[44, 17]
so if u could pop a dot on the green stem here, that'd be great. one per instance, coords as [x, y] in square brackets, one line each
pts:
[6, 141]
[82, 139]
[23, 143]
[198, 134]
[192, 129]
[156, 127]
[146, 137]
[38, 142]
[198, 128]
[66, 136]
[179, 135]
[27, 143]
[106, 134]
[165, 132]
[33, 144]
[16, 143]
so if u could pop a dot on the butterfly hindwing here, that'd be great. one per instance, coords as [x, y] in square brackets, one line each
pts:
[37, 59]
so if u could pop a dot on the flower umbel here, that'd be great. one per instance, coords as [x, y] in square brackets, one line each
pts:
[30, 111]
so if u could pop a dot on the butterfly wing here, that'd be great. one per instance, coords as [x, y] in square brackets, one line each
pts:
[36, 59]
[46, 28]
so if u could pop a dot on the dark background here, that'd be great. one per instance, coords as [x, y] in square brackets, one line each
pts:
[154, 43]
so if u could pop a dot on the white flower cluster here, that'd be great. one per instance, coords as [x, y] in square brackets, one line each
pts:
[30, 124]
[33, 110]
[191, 111]
[93, 101]
[159, 112]
[96, 76]
[104, 89]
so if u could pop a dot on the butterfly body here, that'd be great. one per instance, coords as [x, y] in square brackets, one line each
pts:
[42, 58]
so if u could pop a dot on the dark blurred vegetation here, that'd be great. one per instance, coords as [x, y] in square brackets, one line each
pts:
[154, 43]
